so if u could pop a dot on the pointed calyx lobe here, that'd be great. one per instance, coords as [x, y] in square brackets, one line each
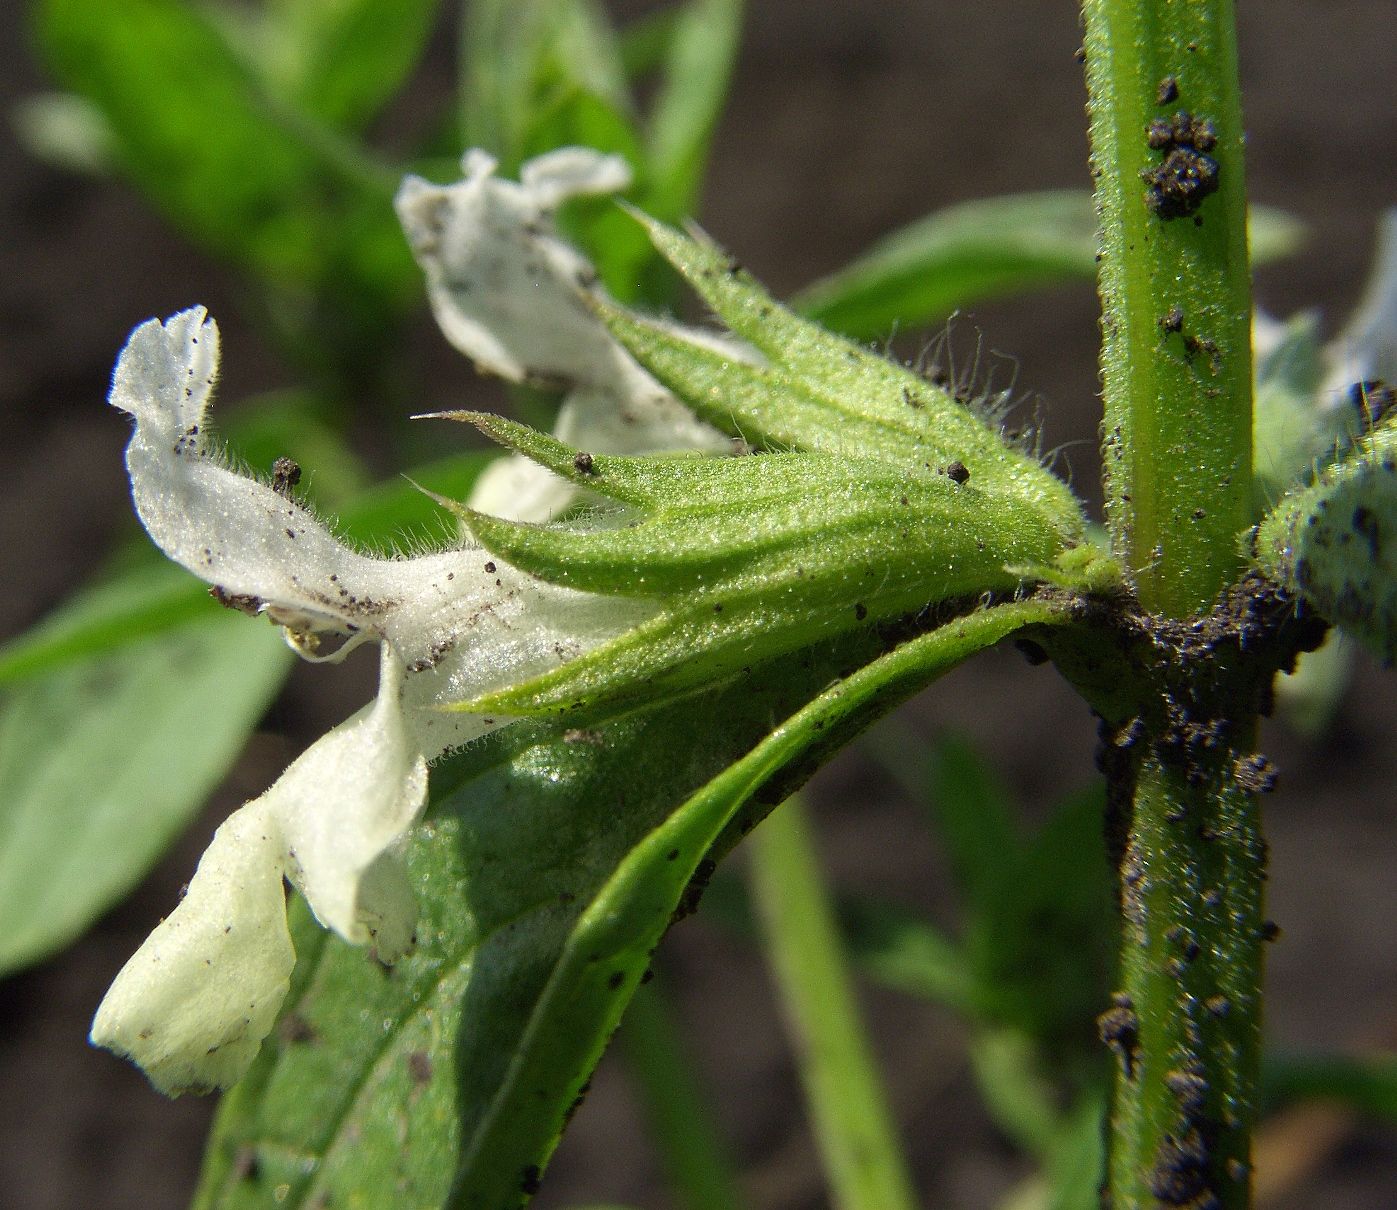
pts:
[881, 495]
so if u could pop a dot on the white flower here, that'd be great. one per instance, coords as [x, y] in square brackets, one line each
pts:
[512, 295]
[194, 1003]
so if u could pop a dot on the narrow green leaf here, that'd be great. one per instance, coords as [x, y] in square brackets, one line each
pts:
[1009, 1074]
[103, 762]
[546, 877]
[1365, 1083]
[889, 944]
[697, 71]
[521, 58]
[975, 821]
[1292, 431]
[1076, 1163]
[819, 391]
[677, 1114]
[342, 61]
[1041, 939]
[844, 1093]
[925, 271]
[203, 139]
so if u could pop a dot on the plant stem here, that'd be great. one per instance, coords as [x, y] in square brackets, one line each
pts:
[690, 1145]
[1176, 370]
[1176, 296]
[1186, 1025]
[853, 1126]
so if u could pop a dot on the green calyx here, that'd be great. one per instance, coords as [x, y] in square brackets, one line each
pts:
[1334, 542]
[873, 496]
[801, 387]
[750, 557]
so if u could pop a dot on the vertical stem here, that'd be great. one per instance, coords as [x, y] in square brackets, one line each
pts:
[1176, 293]
[1176, 369]
[690, 1146]
[853, 1126]
[1186, 1025]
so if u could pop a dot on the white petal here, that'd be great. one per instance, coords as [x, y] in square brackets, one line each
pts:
[194, 1003]
[265, 552]
[348, 799]
[257, 547]
[1367, 347]
[505, 289]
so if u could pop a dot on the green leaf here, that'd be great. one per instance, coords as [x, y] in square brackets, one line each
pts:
[1292, 432]
[548, 873]
[103, 762]
[677, 1114]
[749, 558]
[696, 72]
[975, 821]
[1332, 543]
[819, 391]
[1365, 1083]
[844, 1093]
[152, 595]
[200, 135]
[1042, 945]
[518, 56]
[341, 61]
[889, 944]
[925, 271]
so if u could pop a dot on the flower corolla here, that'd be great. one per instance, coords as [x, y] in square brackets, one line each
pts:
[195, 1002]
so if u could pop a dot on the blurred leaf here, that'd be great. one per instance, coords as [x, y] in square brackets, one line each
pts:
[678, 1116]
[151, 595]
[889, 944]
[974, 818]
[103, 762]
[1008, 1072]
[922, 273]
[845, 1097]
[903, 952]
[520, 59]
[245, 174]
[696, 72]
[644, 42]
[341, 61]
[1292, 430]
[1368, 1084]
[546, 876]
[1308, 699]
[1077, 1160]
[1042, 947]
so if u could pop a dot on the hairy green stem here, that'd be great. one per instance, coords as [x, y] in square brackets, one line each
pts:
[853, 1126]
[1176, 292]
[691, 1148]
[1176, 368]
[1186, 1024]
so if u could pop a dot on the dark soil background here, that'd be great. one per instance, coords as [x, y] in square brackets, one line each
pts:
[847, 119]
